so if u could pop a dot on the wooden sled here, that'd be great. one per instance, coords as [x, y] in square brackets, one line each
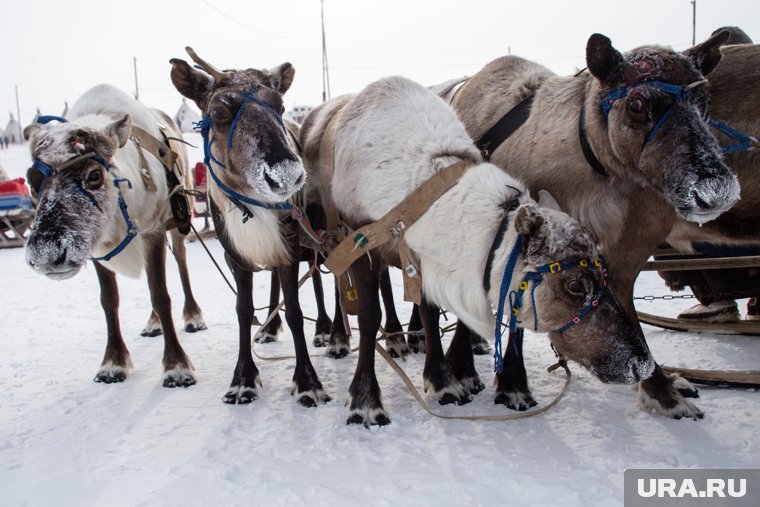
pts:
[16, 213]
[740, 327]
[14, 227]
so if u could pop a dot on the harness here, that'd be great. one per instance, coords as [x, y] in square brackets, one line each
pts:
[679, 92]
[132, 231]
[206, 126]
[163, 151]
[535, 278]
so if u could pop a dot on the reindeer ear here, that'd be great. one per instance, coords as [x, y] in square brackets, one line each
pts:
[118, 132]
[603, 61]
[547, 200]
[33, 133]
[282, 76]
[191, 83]
[531, 223]
[707, 55]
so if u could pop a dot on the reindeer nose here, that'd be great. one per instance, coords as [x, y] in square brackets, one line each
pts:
[274, 185]
[61, 258]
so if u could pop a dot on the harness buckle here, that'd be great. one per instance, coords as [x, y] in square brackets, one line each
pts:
[410, 271]
[583, 263]
[523, 285]
[555, 267]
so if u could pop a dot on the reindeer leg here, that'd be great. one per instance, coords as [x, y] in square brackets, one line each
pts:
[272, 330]
[178, 370]
[436, 375]
[340, 343]
[153, 326]
[461, 361]
[246, 381]
[306, 385]
[191, 312]
[116, 364]
[415, 331]
[324, 324]
[480, 345]
[662, 393]
[395, 343]
[512, 383]
[366, 405]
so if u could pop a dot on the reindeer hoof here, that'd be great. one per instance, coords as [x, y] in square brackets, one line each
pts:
[377, 417]
[321, 340]
[195, 327]
[685, 388]
[179, 376]
[520, 401]
[110, 378]
[266, 337]
[151, 332]
[397, 349]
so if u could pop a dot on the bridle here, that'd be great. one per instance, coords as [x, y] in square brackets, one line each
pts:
[535, 278]
[47, 171]
[678, 92]
[206, 127]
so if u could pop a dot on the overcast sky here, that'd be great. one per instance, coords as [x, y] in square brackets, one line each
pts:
[55, 50]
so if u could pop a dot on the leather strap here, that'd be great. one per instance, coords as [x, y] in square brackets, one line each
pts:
[392, 225]
[505, 127]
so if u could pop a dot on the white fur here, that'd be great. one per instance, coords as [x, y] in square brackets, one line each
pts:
[258, 240]
[111, 370]
[452, 246]
[97, 108]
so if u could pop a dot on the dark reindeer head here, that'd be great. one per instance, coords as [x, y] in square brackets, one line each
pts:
[76, 194]
[566, 279]
[654, 104]
[246, 143]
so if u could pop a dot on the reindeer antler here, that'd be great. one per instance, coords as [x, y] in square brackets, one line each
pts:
[213, 71]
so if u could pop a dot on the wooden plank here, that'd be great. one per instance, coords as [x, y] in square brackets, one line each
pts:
[749, 261]
[746, 327]
[711, 377]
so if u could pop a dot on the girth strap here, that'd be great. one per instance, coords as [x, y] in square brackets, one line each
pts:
[392, 225]
[505, 127]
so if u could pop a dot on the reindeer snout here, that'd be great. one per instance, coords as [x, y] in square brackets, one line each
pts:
[641, 367]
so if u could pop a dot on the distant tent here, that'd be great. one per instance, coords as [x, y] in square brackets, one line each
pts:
[185, 117]
[13, 131]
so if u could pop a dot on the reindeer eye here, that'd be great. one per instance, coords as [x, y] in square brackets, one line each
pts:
[636, 105]
[575, 287]
[94, 178]
[219, 114]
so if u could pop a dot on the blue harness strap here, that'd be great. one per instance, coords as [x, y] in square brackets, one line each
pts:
[506, 280]
[48, 118]
[206, 125]
[680, 92]
[131, 228]
[516, 297]
[745, 143]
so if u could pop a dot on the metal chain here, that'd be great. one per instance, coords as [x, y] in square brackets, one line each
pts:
[718, 296]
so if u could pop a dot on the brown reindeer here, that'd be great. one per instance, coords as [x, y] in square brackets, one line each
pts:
[623, 147]
[255, 166]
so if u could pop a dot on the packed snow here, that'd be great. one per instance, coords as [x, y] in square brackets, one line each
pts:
[68, 441]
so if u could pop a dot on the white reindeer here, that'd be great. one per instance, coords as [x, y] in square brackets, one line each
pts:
[102, 200]
[394, 136]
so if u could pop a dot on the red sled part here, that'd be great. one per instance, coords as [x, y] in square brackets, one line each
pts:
[15, 187]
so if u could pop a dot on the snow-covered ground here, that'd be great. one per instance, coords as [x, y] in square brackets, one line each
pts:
[67, 441]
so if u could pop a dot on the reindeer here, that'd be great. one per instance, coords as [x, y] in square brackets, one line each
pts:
[480, 240]
[102, 199]
[624, 148]
[255, 167]
[733, 102]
